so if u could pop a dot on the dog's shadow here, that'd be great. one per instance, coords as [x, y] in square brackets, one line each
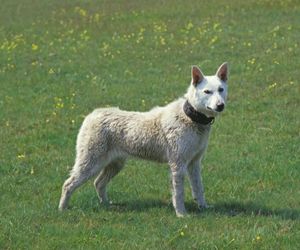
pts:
[232, 209]
[229, 209]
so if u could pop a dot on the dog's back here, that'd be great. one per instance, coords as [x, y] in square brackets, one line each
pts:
[149, 135]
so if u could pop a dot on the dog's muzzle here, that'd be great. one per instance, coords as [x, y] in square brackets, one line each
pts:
[219, 108]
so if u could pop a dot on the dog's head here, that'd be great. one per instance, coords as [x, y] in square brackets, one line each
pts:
[207, 94]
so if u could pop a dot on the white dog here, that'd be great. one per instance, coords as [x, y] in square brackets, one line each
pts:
[177, 134]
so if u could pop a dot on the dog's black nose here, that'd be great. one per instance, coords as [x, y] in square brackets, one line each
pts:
[220, 107]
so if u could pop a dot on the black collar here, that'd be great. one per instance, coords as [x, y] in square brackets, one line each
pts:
[195, 115]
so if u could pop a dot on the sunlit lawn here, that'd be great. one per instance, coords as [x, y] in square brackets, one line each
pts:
[61, 59]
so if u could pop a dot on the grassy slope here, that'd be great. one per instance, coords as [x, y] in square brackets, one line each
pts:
[61, 59]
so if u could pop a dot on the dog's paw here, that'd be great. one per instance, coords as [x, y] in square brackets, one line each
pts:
[61, 209]
[181, 214]
[202, 204]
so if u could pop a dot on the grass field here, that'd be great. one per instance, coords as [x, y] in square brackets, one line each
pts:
[61, 59]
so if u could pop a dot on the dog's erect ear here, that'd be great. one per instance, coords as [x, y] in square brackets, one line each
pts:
[222, 72]
[197, 75]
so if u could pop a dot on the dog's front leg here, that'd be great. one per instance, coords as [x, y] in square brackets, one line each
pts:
[177, 172]
[194, 173]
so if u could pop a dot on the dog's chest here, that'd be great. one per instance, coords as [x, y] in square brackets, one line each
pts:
[187, 141]
[194, 143]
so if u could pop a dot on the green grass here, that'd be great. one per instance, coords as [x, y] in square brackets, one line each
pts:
[61, 59]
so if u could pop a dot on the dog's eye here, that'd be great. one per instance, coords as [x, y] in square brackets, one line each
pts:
[207, 92]
[221, 89]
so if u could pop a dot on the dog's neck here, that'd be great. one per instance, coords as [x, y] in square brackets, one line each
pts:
[195, 115]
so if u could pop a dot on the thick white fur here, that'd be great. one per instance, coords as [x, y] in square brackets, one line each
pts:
[164, 134]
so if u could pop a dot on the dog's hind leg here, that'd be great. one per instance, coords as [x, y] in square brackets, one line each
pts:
[84, 168]
[105, 176]
[68, 188]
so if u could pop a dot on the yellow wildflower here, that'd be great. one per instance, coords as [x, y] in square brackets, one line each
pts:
[21, 156]
[189, 25]
[273, 85]
[34, 47]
